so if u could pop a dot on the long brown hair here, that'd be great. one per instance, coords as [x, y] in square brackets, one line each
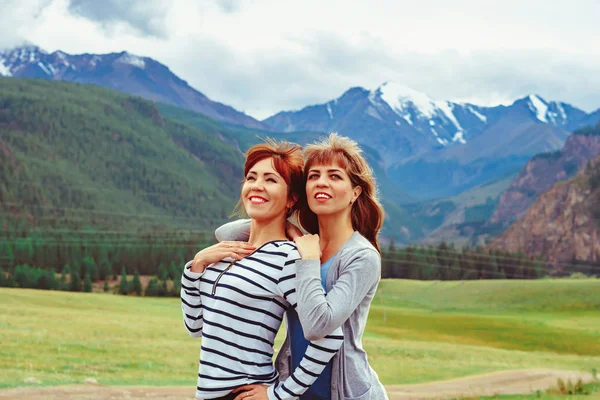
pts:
[287, 161]
[367, 213]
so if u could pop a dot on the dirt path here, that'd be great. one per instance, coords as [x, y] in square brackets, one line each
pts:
[507, 382]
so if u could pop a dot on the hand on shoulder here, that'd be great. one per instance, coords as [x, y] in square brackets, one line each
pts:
[219, 251]
[309, 247]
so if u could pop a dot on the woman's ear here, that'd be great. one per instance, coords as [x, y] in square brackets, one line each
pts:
[356, 192]
[292, 201]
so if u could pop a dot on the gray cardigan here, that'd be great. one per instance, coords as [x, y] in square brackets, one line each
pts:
[351, 285]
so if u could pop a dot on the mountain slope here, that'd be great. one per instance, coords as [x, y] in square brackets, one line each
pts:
[122, 71]
[88, 156]
[563, 223]
[501, 149]
[543, 171]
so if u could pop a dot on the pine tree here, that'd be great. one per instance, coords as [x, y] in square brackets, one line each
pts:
[136, 285]
[123, 284]
[89, 266]
[152, 288]
[174, 272]
[75, 284]
[163, 273]
[105, 270]
[163, 289]
[87, 283]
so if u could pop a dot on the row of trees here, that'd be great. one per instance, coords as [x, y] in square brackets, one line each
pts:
[25, 276]
[99, 254]
[445, 262]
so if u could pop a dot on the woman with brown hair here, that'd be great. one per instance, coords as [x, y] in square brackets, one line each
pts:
[234, 294]
[340, 268]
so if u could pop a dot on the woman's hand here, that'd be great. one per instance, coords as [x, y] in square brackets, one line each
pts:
[252, 392]
[308, 247]
[219, 251]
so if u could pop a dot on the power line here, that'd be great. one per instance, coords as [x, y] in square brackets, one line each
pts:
[83, 188]
[498, 273]
[493, 257]
[515, 268]
[106, 212]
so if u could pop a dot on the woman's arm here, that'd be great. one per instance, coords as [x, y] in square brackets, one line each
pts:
[317, 356]
[319, 313]
[191, 304]
[238, 230]
[318, 353]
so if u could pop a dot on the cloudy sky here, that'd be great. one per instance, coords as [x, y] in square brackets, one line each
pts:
[264, 56]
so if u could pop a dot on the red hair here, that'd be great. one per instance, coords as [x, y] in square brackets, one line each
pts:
[287, 161]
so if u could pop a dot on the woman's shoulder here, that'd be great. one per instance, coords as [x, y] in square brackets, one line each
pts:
[359, 247]
[358, 243]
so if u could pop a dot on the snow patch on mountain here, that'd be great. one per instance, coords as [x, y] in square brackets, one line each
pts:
[95, 60]
[482, 117]
[43, 67]
[329, 110]
[446, 108]
[63, 58]
[4, 71]
[131, 59]
[397, 96]
[563, 114]
[459, 137]
[539, 107]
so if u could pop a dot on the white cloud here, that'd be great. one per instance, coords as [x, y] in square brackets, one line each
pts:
[265, 56]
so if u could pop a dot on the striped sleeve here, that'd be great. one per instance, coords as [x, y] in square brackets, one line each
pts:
[191, 303]
[318, 353]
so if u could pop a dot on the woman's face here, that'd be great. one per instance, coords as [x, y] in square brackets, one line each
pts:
[264, 192]
[329, 189]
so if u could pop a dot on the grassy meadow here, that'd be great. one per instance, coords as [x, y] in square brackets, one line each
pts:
[417, 332]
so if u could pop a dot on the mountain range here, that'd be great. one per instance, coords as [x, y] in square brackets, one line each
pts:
[125, 72]
[437, 162]
[435, 148]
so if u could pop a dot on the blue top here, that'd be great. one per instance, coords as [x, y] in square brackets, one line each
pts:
[321, 388]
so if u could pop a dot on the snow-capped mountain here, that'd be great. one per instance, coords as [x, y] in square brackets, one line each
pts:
[398, 121]
[448, 122]
[122, 71]
[403, 123]
[555, 113]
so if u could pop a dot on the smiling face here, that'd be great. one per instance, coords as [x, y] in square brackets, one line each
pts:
[329, 189]
[265, 192]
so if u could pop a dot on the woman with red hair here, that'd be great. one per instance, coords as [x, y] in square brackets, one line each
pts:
[234, 294]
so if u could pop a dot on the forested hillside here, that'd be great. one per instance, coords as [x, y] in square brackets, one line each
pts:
[89, 170]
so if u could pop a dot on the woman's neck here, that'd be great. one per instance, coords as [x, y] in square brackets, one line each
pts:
[263, 231]
[334, 231]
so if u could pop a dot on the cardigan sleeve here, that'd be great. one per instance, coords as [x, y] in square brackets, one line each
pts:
[238, 230]
[321, 313]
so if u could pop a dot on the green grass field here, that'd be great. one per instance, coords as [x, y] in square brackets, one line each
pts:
[417, 332]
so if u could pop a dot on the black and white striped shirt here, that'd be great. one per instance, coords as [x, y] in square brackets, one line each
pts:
[237, 308]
